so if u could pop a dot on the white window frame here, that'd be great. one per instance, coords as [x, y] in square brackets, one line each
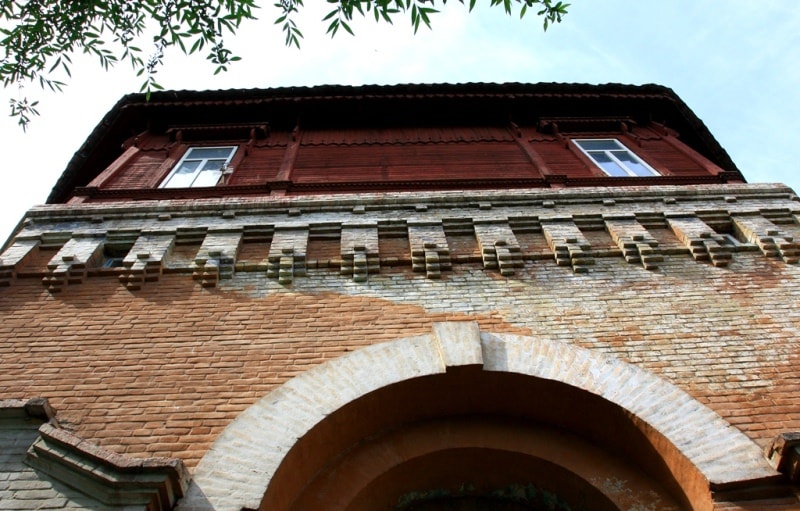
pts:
[187, 156]
[610, 154]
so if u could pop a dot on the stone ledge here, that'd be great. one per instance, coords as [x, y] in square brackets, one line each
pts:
[34, 408]
[784, 455]
[408, 200]
[111, 478]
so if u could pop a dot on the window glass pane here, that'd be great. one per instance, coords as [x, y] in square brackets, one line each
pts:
[608, 165]
[213, 165]
[207, 178]
[198, 153]
[598, 145]
[633, 164]
[183, 175]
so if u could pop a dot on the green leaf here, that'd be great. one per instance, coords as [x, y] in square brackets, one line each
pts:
[38, 37]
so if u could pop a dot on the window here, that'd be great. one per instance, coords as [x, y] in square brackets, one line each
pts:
[200, 166]
[614, 158]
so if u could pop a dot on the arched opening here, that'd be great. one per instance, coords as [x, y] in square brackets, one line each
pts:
[480, 478]
[461, 419]
[471, 439]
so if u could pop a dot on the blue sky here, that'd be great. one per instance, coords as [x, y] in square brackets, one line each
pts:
[734, 62]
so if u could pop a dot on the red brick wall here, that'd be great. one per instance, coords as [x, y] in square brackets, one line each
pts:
[161, 371]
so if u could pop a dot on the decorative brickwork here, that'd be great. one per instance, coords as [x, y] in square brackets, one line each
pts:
[569, 226]
[702, 241]
[69, 265]
[145, 261]
[429, 250]
[162, 371]
[13, 257]
[772, 241]
[359, 251]
[287, 254]
[637, 245]
[397, 297]
[499, 247]
[568, 244]
[217, 257]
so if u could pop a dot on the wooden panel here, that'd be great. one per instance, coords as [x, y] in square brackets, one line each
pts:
[141, 170]
[408, 135]
[678, 163]
[150, 142]
[560, 160]
[259, 166]
[412, 162]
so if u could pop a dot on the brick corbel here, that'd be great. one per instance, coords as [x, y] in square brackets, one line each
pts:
[145, 260]
[430, 252]
[14, 257]
[360, 251]
[635, 242]
[287, 254]
[217, 256]
[702, 241]
[772, 240]
[70, 264]
[500, 249]
[569, 246]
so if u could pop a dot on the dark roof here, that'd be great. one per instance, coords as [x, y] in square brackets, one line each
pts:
[381, 105]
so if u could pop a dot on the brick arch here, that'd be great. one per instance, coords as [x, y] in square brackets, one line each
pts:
[236, 472]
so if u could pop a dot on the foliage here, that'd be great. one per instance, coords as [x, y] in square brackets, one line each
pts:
[37, 37]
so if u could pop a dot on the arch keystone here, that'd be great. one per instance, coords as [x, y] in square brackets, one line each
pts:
[459, 343]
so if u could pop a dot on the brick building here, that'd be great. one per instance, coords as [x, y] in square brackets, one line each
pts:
[413, 298]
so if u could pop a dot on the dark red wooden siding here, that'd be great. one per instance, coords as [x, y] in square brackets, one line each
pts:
[259, 166]
[560, 159]
[138, 172]
[678, 163]
[374, 159]
[386, 163]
